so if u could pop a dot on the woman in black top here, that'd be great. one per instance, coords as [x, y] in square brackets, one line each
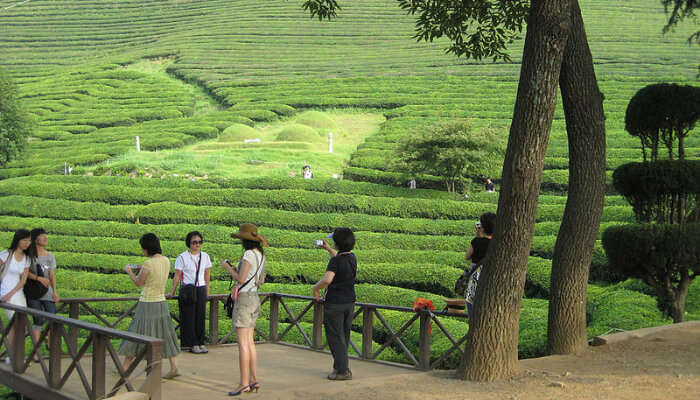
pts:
[339, 303]
[476, 253]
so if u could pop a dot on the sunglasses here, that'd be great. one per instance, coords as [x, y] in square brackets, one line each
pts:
[197, 242]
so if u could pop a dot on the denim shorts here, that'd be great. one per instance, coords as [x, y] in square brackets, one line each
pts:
[41, 305]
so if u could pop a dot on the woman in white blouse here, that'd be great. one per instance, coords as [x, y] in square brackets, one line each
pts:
[192, 268]
[14, 263]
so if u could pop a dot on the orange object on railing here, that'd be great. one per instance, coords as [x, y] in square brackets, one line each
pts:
[424, 304]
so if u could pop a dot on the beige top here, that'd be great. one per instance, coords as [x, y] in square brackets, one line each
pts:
[158, 268]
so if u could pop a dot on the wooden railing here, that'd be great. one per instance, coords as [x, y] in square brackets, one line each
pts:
[60, 330]
[280, 312]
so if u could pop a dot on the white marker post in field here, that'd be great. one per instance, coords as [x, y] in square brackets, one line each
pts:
[138, 143]
[330, 142]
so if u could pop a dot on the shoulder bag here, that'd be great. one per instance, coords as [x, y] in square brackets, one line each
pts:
[188, 293]
[33, 289]
[231, 300]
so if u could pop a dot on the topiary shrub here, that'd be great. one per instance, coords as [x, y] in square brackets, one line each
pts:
[661, 191]
[317, 120]
[665, 257]
[661, 114]
[298, 133]
[238, 132]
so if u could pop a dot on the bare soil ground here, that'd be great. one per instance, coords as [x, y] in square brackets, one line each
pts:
[663, 365]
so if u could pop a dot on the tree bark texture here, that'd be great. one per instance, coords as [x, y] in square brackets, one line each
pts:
[573, 251]
[492, 342]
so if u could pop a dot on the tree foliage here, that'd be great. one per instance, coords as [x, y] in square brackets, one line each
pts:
[681, 10]
[14, 122]
[454, 151]
[662, 114]
[476, 29]
[665, 256]
[661, 191]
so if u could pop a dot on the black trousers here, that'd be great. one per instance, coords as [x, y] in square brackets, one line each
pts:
[192, 320]
[337, 319]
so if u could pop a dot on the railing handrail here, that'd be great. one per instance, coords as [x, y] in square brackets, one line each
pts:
[271, 294]
[83, 325]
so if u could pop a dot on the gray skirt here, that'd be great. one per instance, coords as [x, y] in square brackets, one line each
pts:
[152, 319]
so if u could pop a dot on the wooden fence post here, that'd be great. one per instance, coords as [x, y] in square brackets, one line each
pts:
[274, 317]
[367, 332]
[54, 355]
[74, 313]
[98, 366]
[317, 340]
[214, 321]
[153, 369]
[424, 341]
[19, 328]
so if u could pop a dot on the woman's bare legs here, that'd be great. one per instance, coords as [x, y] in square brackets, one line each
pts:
[253, 356]
[243, 355]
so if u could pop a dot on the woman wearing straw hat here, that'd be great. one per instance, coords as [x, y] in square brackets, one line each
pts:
[249, 275]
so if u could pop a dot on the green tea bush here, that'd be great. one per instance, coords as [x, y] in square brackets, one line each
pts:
[238, 132]
[298, 133]
[318, 120]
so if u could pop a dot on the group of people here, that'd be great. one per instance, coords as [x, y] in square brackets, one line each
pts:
[192, 274]
[26, 259]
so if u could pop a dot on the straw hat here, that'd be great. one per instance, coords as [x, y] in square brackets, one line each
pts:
[249, 232]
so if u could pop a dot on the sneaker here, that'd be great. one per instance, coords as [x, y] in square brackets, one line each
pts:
[203, 349]
[195, 350]
[347, 376]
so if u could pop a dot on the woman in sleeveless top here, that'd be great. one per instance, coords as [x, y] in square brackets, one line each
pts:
[14, 263]
[151, 317]
[249, 275]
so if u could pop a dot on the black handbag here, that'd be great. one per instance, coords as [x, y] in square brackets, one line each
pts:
[188, 293]
[33, 289]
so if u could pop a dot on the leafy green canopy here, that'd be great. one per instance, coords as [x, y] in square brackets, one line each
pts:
[476, 29]
[663, 114]
[14, 122]
[662, 191]
[453, 151]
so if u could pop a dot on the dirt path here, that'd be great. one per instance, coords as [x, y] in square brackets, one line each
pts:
[663, 365]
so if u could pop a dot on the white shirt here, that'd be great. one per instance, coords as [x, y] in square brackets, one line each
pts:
[257, 264]
[14, 273]
[187, 263]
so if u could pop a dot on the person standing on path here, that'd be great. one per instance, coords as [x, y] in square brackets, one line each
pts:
[41, 258]
[339, 301]
[249, 276]
[14, 263]
[151, 317]
[192, 268]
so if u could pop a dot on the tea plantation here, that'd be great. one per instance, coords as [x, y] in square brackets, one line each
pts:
[224, 70]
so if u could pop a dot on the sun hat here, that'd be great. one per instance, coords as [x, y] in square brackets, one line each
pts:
[249, 232]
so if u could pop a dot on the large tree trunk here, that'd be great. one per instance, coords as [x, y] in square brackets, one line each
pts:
[492, 343]
[585, 127]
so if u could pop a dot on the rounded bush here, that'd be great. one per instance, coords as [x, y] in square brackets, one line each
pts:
[317, 120]
[298, 133]
[238, 132]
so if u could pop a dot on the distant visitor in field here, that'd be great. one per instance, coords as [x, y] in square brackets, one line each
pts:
[306, 172]
[476, 253]
[42, 270]
[15, 267]
[151, 317]
[412, 184]
[339, 300]
[490, 186]
[192, 268]
[249, 276]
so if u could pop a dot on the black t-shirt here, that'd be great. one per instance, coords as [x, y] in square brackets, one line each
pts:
[490, 186]
[480, 245]
[342, 289]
